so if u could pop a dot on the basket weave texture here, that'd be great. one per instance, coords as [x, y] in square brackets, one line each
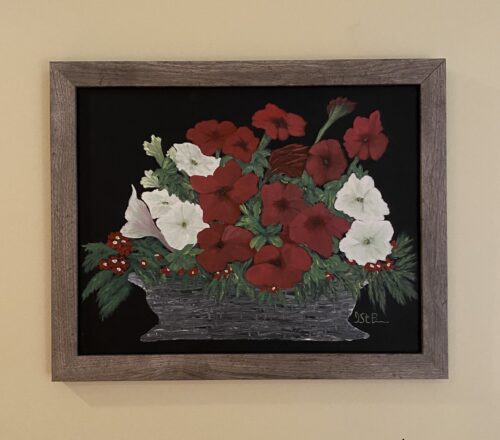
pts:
[188, 313]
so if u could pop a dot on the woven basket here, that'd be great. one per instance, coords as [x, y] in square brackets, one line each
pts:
[188, 313]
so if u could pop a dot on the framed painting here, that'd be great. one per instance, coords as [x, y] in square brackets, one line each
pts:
[246, 220]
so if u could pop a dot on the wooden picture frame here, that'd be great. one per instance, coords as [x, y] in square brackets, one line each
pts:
[428, 74]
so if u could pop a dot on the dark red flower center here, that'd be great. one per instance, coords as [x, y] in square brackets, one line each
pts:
[221, 192]
[280, 122]
[219, 244]
[282, 204]
[242, 144]
[315, 222]
[278, 262]
[214, 135]
[326, 160]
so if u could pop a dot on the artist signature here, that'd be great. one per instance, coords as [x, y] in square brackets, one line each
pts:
[368, 318]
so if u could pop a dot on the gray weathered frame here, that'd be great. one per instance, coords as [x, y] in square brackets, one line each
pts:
[429, 74]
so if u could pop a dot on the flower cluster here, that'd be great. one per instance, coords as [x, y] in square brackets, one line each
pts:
[233, 204]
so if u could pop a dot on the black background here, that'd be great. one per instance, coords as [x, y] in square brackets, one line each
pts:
[112, 124]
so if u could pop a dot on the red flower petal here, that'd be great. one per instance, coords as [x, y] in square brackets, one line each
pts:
[366, 140]
[378, 145]
[241, 144]
[316, 226]
[281, 203]
[289, 160]
[296, 257]
[264, 275]
[326, 161]
[210, 135]
[278, 267]
[277, 123]
[220, 208]
[223, 244]
[244, 188]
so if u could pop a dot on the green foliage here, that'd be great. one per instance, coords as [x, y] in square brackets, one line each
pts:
[174, 182]
[111, 290]
[112, 294]
[251, 220]
[99, 280]
[95, 253]
[235, 283]
[184, 258]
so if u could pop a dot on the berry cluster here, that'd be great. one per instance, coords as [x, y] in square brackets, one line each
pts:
[116, 264]
[119, 243]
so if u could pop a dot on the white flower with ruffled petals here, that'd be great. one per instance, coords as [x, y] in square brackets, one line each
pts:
[160, 202]
[360, 199]
[181, 225]
[367, 242]
[189, 158]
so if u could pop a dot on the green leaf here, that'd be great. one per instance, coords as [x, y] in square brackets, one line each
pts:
[276, 241]
[112, 295]
[99, 280]
[95, 252]
[257, 242]
[174, 182]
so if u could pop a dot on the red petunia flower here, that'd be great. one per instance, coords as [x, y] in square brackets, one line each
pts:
[281, 203]
[316, 226]
[289, 160]
[326, 162]
[241, 144]
[222, 194]
[277, 123]
[223, 244]
[210, 135]
[365, 139]
[278, 267]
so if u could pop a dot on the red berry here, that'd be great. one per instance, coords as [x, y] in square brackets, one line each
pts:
[143, 263]
[193, 272]
[165, 271]
[104, 264]
[329, 276]
[181, 271]
[158, 257]
[217, 275]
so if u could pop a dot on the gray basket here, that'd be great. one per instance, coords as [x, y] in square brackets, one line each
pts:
[188, 313]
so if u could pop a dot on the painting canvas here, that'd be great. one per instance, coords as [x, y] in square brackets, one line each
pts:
[248, 219]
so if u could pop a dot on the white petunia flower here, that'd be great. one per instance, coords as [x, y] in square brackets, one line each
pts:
[367, 242]
[150, 180]
[181, 225]
[189, 158]
[139, 221]
[160, 202]
[360, 199]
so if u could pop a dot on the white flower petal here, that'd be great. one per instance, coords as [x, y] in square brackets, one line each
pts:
[360, 199]
[181, 225]
[189, 158]
[160, 202]
[140, 224]
[367, 242]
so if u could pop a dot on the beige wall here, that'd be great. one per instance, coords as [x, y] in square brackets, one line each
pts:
[466, 406]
